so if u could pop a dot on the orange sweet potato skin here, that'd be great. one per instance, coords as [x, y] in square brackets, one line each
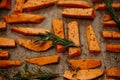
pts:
[5, 4]
[86, 64]
[113, 47]
[2, 26]
[40, 61]
[4, 54]
[23, 17]
[113, 72]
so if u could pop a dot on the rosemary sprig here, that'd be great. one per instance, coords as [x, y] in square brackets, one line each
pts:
[55, 39]
[111, 12]
[27, 75]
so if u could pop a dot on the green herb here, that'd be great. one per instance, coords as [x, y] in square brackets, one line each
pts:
[112, 12]
[55, 39]
[41, 75]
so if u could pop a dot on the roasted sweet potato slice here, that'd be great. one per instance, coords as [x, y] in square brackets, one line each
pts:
[29, 31]
[113, 47]
[83, 74]
[9, 63]
[92, 40]
[30, 44]
[110, 23]
[40, 61]
[108, 79]
[23, 17]
[107, 18]
[73, 35]
[113, 72]
[58, 29]
[85, 64]
[31, 5]
[73, 3]
[5, 4]
[3, 26]
[18, 8]
[111, 34]
[4, 54]
[6, 42]
[78, 13]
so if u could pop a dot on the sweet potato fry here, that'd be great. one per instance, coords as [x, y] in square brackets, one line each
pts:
[6, 42]
[29, 31]
[92, 40]
[58, 29]
[18, 8]
[5, 4]
[85, 64]
[31, 5]
[23, 17]
[40, 61]
[113, 72]
[3, 26]
[9, 63]
[107, 18]
[78, 13]
[30, 44]
[111, 34]
[103, 6]
[96, 1]
[113, 47]
[77, 3]
[110, 23]
[83, 74]
[4, 54]
[73, 35]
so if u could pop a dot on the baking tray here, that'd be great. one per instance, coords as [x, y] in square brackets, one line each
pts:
[20, 53]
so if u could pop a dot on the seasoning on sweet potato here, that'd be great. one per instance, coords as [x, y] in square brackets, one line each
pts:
[4, 54]
[18, 8]
[6, 42]
[58, 29]
[23, 17]
[29, 31]
[113, 47]
[40, 61]
[9, 63]
[5, 4]
[107, 18]
[111, 34]
[30, 44]
[103, 6]
[92, 40]
[113, 72]
[83, 74]
[78, 13]
[85, 64]
[73, 35]
[77, 3]
[31, 5]
[96, 1]
[109, 23]
[3, 26]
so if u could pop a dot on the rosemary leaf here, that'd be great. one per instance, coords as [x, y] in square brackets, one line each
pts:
[112, 12]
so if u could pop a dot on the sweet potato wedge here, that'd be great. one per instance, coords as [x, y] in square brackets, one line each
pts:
[113, 47]
[83, 74]
[107, 18]
[113, 72]
[111, 34]
[103, 6]
[73, 35]
[6, 42]
[29, 31]
[78, 13]
[23, 17]
[30, 44]
[9, 63]
[40, 61]
[18, 8]
[77, 3]
[85, 64]
[58, 29]
[5, 4]
[3, 26]
[4, 54]
[110, 23]
[96, 1]
[93, 44]
[31, 5]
